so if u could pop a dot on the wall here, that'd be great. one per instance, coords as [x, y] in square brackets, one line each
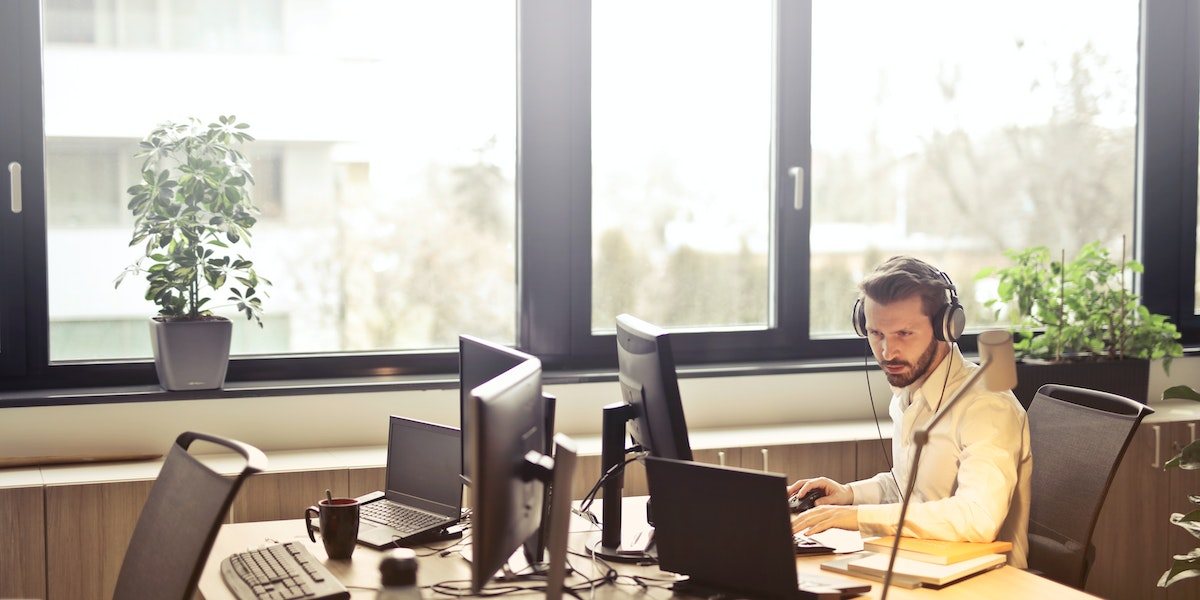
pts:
[341, 420]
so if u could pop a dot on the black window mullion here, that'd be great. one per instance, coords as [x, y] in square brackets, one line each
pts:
[1166, 160]
[553, 41]
[21, 264]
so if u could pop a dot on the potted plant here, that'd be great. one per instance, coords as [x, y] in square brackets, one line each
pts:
[1184, 566]
[1076, 322]
[192, 212]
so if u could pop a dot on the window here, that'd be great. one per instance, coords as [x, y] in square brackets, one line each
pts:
[409, 150]
[1023, 135]
[526, 171]
[681, 170]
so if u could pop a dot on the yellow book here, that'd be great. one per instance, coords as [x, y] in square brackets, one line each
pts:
[936, 551]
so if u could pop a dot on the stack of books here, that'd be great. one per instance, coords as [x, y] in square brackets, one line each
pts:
[927, 563]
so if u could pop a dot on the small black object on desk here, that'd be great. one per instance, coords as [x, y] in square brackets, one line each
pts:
[798, 504]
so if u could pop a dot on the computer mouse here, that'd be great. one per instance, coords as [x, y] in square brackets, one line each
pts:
[798, 504]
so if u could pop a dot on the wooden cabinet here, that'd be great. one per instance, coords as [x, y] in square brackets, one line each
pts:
[365, 480]
[1181, 484]
[88, 528]
[22, 543]
[1134, 539]
[873, 458]
[271, 496]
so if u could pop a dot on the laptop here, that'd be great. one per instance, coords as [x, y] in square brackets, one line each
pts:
[729, 530]
[424, 492]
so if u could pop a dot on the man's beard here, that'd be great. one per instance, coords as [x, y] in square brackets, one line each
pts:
[924, 362]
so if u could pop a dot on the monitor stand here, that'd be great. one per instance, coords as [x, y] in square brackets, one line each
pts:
[611, 546]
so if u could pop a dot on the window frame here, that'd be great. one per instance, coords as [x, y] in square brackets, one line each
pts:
[553, 191]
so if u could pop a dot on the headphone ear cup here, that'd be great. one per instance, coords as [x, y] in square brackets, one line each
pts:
[956, 321]
[949, 322]
[859, 318]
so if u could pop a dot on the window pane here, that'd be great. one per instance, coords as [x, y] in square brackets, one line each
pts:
[384, 164]
[681, 161]
[953, 142]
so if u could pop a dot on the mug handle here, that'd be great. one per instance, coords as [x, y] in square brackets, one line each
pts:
[309, 513]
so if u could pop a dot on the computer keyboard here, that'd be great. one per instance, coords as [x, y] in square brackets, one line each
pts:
[281, 571]
[399, 517]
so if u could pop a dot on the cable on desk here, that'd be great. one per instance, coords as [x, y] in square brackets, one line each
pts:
[611, 472]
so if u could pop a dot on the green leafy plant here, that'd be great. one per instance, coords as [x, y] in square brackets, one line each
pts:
[1079, 309]
[192, 210]
[1184, 566]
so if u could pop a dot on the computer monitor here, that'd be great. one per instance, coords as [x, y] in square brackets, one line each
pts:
[650, 410]
[479, 361]
[507, 494]
[646, 370]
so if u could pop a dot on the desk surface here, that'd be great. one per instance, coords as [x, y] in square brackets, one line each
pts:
[361, 573]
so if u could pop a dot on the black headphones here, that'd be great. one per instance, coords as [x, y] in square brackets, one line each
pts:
[948, 322]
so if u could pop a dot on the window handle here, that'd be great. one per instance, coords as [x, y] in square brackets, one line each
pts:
[797, 174]
[14, 175]
[721, 457]
[764, 453]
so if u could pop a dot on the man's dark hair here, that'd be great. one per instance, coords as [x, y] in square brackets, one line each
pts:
[901, 277]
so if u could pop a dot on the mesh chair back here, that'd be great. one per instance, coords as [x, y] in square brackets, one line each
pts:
[1077, 437]
[179, 522]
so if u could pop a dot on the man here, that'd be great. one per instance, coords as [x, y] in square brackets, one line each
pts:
[973, 480]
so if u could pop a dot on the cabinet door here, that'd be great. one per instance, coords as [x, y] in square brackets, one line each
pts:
[272, 496]
[730, 457]
[834, 460]
[22, 543]
[365, 480]
[872, 458]
[1131, 534]
[1182, 484]
[88, 528]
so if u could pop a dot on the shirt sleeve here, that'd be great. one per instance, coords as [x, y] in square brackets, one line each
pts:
[991, 438]
[876, 490]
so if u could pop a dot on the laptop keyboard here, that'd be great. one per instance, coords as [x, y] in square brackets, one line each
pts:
[399, 517]
[809, 545]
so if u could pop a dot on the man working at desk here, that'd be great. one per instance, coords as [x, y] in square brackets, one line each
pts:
[973, 483]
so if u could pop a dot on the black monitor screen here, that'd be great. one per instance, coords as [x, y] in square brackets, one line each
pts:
[649, 384]
[509, 416]
[479, 361]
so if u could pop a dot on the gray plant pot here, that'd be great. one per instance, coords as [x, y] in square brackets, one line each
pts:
[191, 355]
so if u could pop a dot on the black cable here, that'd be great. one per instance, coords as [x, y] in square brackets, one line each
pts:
[878, 430]
[612, 471]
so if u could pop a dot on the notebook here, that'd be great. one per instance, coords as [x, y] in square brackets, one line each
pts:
[927, 574]
[729, 531]
[936, 551]
[422, 486]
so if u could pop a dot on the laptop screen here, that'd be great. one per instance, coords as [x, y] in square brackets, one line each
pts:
[422, 465]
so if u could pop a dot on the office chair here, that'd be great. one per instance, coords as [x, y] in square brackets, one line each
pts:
[1077, 437]
[180, 520]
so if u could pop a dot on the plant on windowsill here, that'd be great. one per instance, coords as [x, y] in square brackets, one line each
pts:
[1079, 312]
[192, 211]
[1184, 566]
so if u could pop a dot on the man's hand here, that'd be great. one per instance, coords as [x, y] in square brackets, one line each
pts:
[826, 517]
[835, 493]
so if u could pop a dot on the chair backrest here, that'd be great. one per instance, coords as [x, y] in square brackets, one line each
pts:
[1077, 437]
[180, 520]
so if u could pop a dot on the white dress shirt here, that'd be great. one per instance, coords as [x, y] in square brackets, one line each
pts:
[973, 480]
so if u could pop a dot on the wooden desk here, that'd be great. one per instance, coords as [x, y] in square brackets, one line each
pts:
[363, 569]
